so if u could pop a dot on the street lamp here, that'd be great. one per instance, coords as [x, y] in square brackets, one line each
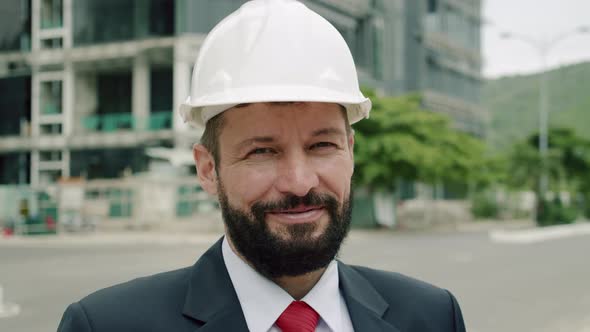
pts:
[543, 47]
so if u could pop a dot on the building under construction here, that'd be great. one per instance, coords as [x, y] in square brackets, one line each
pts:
[89, 88]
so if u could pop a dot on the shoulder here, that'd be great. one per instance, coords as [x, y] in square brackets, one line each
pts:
[413, 302]
[392, 282]
[130, 305]
[146, 290]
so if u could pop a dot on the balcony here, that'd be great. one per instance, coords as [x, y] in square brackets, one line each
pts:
[126, 121]
[99, 131]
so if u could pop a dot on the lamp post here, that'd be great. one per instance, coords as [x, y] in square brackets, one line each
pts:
[543, 47]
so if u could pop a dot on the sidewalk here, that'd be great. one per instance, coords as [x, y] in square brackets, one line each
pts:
[540, 234]
[510, 231]
[119, 238]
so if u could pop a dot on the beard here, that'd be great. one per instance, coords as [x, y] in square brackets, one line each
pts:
[301, 252]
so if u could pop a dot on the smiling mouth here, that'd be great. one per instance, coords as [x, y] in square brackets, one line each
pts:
[298, 215]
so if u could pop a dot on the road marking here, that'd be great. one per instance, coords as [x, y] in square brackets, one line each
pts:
[7, 309]
[540, 234]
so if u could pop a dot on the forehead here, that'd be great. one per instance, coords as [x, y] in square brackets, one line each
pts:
[275, 118]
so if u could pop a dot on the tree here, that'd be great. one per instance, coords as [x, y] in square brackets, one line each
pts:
[401, 140]
[567, 166]
[567, 162]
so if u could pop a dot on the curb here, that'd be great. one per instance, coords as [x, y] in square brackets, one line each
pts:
[540, 234]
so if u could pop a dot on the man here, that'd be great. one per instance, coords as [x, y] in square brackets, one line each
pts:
[276, 88]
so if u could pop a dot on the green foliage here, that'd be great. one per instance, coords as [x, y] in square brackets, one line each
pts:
[513, 103]
[401, 140]
[567, 167]
[484, 206]
[586, 206]
[567, 162]
[555, 213]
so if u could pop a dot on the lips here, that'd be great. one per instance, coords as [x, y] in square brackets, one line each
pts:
[297, 215]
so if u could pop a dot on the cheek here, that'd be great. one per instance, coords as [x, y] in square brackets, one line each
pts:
[336, 175]
[244, 186]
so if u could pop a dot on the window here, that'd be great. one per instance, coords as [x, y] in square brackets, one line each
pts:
[51, 14]
[15, 34]
[52, 155]
[51, 43]
[15, 105]
[51, 93]
[432, 6]
[378, 39]
[49, 176]
[51, 129]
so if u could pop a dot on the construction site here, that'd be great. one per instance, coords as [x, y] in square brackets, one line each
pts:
[89, 135]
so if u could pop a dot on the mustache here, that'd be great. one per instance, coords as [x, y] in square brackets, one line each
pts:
[291, 201]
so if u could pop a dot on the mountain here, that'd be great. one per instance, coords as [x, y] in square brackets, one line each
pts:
[513, 103]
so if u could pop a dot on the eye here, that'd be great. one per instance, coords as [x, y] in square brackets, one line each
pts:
[261, 151]
[322, 145]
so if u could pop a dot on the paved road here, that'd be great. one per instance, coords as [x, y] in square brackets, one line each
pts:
[541, 287]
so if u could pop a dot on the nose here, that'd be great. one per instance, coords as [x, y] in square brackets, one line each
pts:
[296, 175]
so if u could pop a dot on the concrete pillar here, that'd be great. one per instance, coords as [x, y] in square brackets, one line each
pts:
[35, 24]
[85, 100]
[65, 163]
[185, 53]
[68, 88]
[181, 89]
[68, 93]
[68, 24]
[35, 168]
[35, 103]
[140, 102]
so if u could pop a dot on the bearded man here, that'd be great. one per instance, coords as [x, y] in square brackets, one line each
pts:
[276, 89]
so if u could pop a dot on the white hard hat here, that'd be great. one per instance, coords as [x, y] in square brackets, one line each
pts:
[273, 50]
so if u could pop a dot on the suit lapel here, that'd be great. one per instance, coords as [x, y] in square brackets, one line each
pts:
[211, 298]
[365, 306]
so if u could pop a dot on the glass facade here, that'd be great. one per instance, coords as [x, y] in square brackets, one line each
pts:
[114, 92]
[15, 105]
[107, 163]
[161, 89]
[14, 168]
[451, 82]
[15, 34]
[200, 16]
[365, 40]
[102, 21]
[442, 74]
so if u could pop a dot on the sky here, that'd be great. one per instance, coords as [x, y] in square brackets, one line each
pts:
[541, 20]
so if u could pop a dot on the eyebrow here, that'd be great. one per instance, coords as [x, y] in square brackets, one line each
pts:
[271, 139]
[328, 131]
[255, 139]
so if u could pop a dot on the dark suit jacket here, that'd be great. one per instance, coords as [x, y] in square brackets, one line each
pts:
[202, 298]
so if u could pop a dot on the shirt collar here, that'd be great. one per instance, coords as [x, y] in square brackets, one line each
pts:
[263, 301]
[324, 298]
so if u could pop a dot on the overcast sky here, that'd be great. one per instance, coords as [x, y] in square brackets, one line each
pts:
[537, 19]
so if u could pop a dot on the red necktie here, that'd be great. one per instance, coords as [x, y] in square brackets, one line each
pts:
[298, 317]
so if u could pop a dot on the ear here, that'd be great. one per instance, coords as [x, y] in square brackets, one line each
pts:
[206, 172]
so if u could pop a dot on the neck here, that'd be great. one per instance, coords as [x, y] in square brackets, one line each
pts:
[299, 286]
[296, 286]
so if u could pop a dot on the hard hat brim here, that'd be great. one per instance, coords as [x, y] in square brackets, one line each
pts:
[198, 112]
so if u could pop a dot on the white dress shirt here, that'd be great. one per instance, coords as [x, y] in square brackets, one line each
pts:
[263, 301]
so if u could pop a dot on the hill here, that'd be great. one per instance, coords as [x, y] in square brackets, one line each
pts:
[514, 110]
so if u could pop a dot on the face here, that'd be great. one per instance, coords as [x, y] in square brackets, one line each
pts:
[283, 183]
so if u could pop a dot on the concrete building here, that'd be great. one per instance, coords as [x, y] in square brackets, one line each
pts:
[443, 59]
[86, 86]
